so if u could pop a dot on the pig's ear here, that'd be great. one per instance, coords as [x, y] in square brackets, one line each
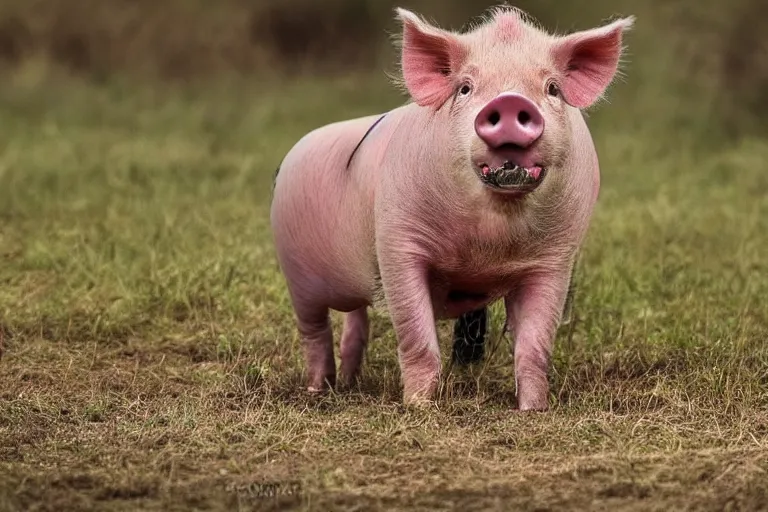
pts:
[589, 61]
[430, 58]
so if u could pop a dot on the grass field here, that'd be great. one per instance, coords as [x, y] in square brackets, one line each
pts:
[151, 361]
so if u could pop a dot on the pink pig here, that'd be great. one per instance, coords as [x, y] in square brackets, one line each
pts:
[480, 189]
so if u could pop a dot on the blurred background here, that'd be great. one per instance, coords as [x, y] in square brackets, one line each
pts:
[700, 67]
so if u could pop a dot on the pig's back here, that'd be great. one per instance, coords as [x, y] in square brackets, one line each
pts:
[325, 154]
[322, 214]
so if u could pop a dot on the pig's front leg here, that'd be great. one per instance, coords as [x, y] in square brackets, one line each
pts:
[533, 314]
[404, 278]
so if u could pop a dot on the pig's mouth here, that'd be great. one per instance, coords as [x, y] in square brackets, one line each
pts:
[512, 178]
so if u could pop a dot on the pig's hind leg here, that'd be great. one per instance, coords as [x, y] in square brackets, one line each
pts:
[314, 325]
[354, 339]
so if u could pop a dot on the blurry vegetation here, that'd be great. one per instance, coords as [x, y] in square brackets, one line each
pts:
[707, 60]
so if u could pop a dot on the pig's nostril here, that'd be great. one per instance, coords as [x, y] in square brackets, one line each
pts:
[524, 117]
[494, 118]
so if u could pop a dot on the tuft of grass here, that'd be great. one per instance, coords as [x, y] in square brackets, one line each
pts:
[151, 359]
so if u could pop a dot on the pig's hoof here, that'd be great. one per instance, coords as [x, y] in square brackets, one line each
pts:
[314, 389]
[418, 402]
[421, 397]
[533, 406]
[349, 383]
[469, 337]
[533, 411]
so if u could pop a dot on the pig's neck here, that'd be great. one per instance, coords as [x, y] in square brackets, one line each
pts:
[492, 216]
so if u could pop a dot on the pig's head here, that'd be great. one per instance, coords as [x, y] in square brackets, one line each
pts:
[504, 91]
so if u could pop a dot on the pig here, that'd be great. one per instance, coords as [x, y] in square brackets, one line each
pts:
[479, 188]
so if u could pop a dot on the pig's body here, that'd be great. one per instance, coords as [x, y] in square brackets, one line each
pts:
[386, 209]
[333, 250]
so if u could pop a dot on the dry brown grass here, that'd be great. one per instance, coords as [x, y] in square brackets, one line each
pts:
[170, 424]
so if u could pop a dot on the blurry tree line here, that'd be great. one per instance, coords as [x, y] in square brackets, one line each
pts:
[708, 54]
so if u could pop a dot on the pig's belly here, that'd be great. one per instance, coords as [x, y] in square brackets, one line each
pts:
[459, 302]
[320, 276]
[455, 296]
[346, 293]
[455, 299]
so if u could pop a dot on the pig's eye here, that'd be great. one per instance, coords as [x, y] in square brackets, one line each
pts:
[465, 89]
[553, 89]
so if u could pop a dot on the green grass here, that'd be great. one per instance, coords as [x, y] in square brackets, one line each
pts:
[151, 361]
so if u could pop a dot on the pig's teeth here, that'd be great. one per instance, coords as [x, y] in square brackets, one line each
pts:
[534, 172]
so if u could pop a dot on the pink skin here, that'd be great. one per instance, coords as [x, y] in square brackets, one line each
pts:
[411, 222]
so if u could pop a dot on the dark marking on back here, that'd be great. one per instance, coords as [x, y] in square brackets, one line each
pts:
[274, 179]
[364, 137]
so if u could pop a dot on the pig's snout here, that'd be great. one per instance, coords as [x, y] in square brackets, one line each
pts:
[509, 118]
